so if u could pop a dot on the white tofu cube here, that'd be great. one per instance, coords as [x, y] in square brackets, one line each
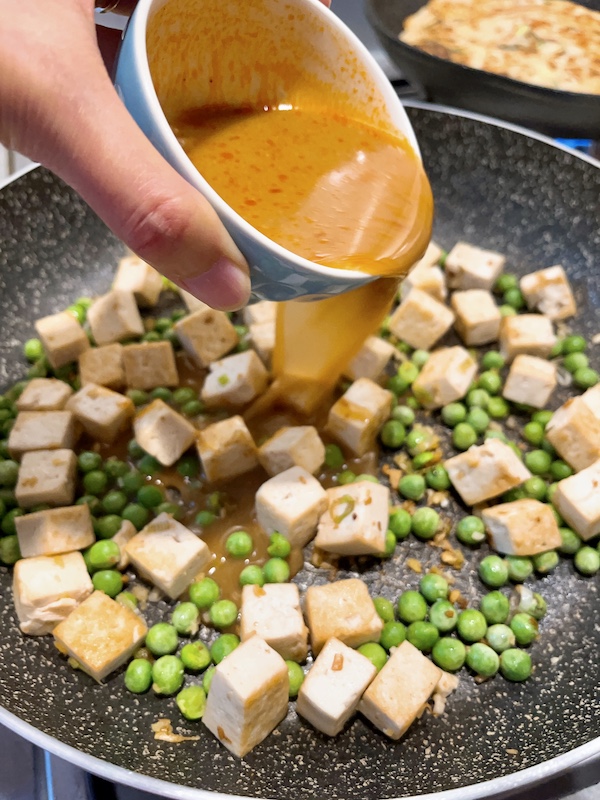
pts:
[46, 590]
[574, 431]
[420, 320]
[354, 420]
[100, 634]
[55, 531]
[162, 432]
[226, 449]
[42, 430]
[235, 381]
[150, 364]
[291, 504]
[522, 528]
[531, 380]
[122, 538]
[478, 317]
[549, 292]
[262, 336]
[426, 278]
[431, 256]
[400, 692]
[446, 376]
[297, 446]
[273, 613]
[260, 313]
[115, 317]
[578, 501]
[343, 610]
[192, 303]
[134, 275]
[44, 394]
[103, 366]
[486, 471]
[470, 267]
[63, 338]
[248, 696]
[101, 412]
[371, 360]
[206, 335]
[168, 554]
[529, 334]
[46, 476]
[334, 686]
[591, 398]
[356, 519]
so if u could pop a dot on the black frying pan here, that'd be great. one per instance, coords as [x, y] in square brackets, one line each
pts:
[556, 113]
[493, 186]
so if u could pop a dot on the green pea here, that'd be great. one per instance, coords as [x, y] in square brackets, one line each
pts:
[425, 523]
[492, 360]
[108, 581]
[138, 397]
[494, 607]
[193, 408]
[533, 433]
[507, 311]
[185, 618]
[519, 568]
[205, 518]
[420, 358]
[276, 570]
[134, 449]
[204, 593]
[404, 414]
[574, 344]
[104, 554]
[471, 625]
[449, 654]
[574, 361]
[150, 496]
[422, 635]
[131, 481]
[400, 523]
[279, 546]
[393, 634]
[184, 394]
[464, 436]
[207, 678]
[412, 607]
[498, 408]
[239, 544]
[33, 350]
[384, 608]
[525, 628]
[412, 487]
[136, 514]
[493, 434]
[375, 653]
[493, 571]
[483, 660]
[115, 468]
[433, 587]
[167, 675]
[585, 378]
[515, 665]
[191, 701]
[408, 372]
[390, 545]
[533, 604]
[138, 676]
[437, 478]
[296, 678]
[364, 476]
[470, 531]
[571, 542]
[504, 282]
[223, 613]
[148, 465]
[88, 461]
[420, 440]
[536, 488]
[513, 494]
[161, 393]
[513, 297]
[490, 381]
[10, 552]
[162, 639]
[393, 434]
[252, 575]
[114, 502]
[477, 398]
[559, 470]
[334, 458]
[9, 473]
[195, 656]
[587, 560]
[542, 417]
[347, 476]
[478, 420]
[188, 467]
[500, 637]
[8, 525]
[106, 527]
[95, 482]
[443, 615]
[128, 600]
[546, 562]
[538, 462]
[223, 646]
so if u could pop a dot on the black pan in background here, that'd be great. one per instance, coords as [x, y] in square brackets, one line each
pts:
[550, 111]
[493, 186]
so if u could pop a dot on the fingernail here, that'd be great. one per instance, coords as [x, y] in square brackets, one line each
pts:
[224, 286]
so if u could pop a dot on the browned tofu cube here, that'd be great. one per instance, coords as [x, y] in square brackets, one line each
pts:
[115, 317]
[150, 364]
[63, 338]
[101, 412]
[55, 531]
[206, 335]
[42, 430]
[103, 366]
[44, 394]
[46, 476]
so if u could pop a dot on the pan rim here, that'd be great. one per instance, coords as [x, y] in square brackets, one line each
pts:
[526, 778]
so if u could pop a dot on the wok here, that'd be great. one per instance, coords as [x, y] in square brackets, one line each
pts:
[553, 112]
[498, 187]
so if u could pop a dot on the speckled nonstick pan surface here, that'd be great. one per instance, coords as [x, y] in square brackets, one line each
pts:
[495, 187]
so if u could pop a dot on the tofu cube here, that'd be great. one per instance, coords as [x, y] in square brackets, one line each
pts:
[371, 360]
[192, 303]
[46, 590]
[446, 376]
[291, 504]
[115, 317]
[63, 338]
[103, 366]
[163, 432]
[549, 292]
[431, 256]
[206, 335]
[531, 380]
[528, 334]
[235, 381]
[470, 267]
[248, 696]
[42, 430]
[55, 531]
[343, 610]
[260, 313]
[297, 446]
[262, 336]
[399, 693]
[574, 431]
[591, 398]
[334, 686]
[102, 413]
[486, 471]
[100, 634]
[150, 364]
[273, 613]
[47, 476]
[522, 528]
[478, 317]
[134, 275]
[44, 394]
[356, 519]
[122, 538]
[420, 320]
[226, 449]
[578, 501]
[168, 554]
[356, 417]
[427, 278]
